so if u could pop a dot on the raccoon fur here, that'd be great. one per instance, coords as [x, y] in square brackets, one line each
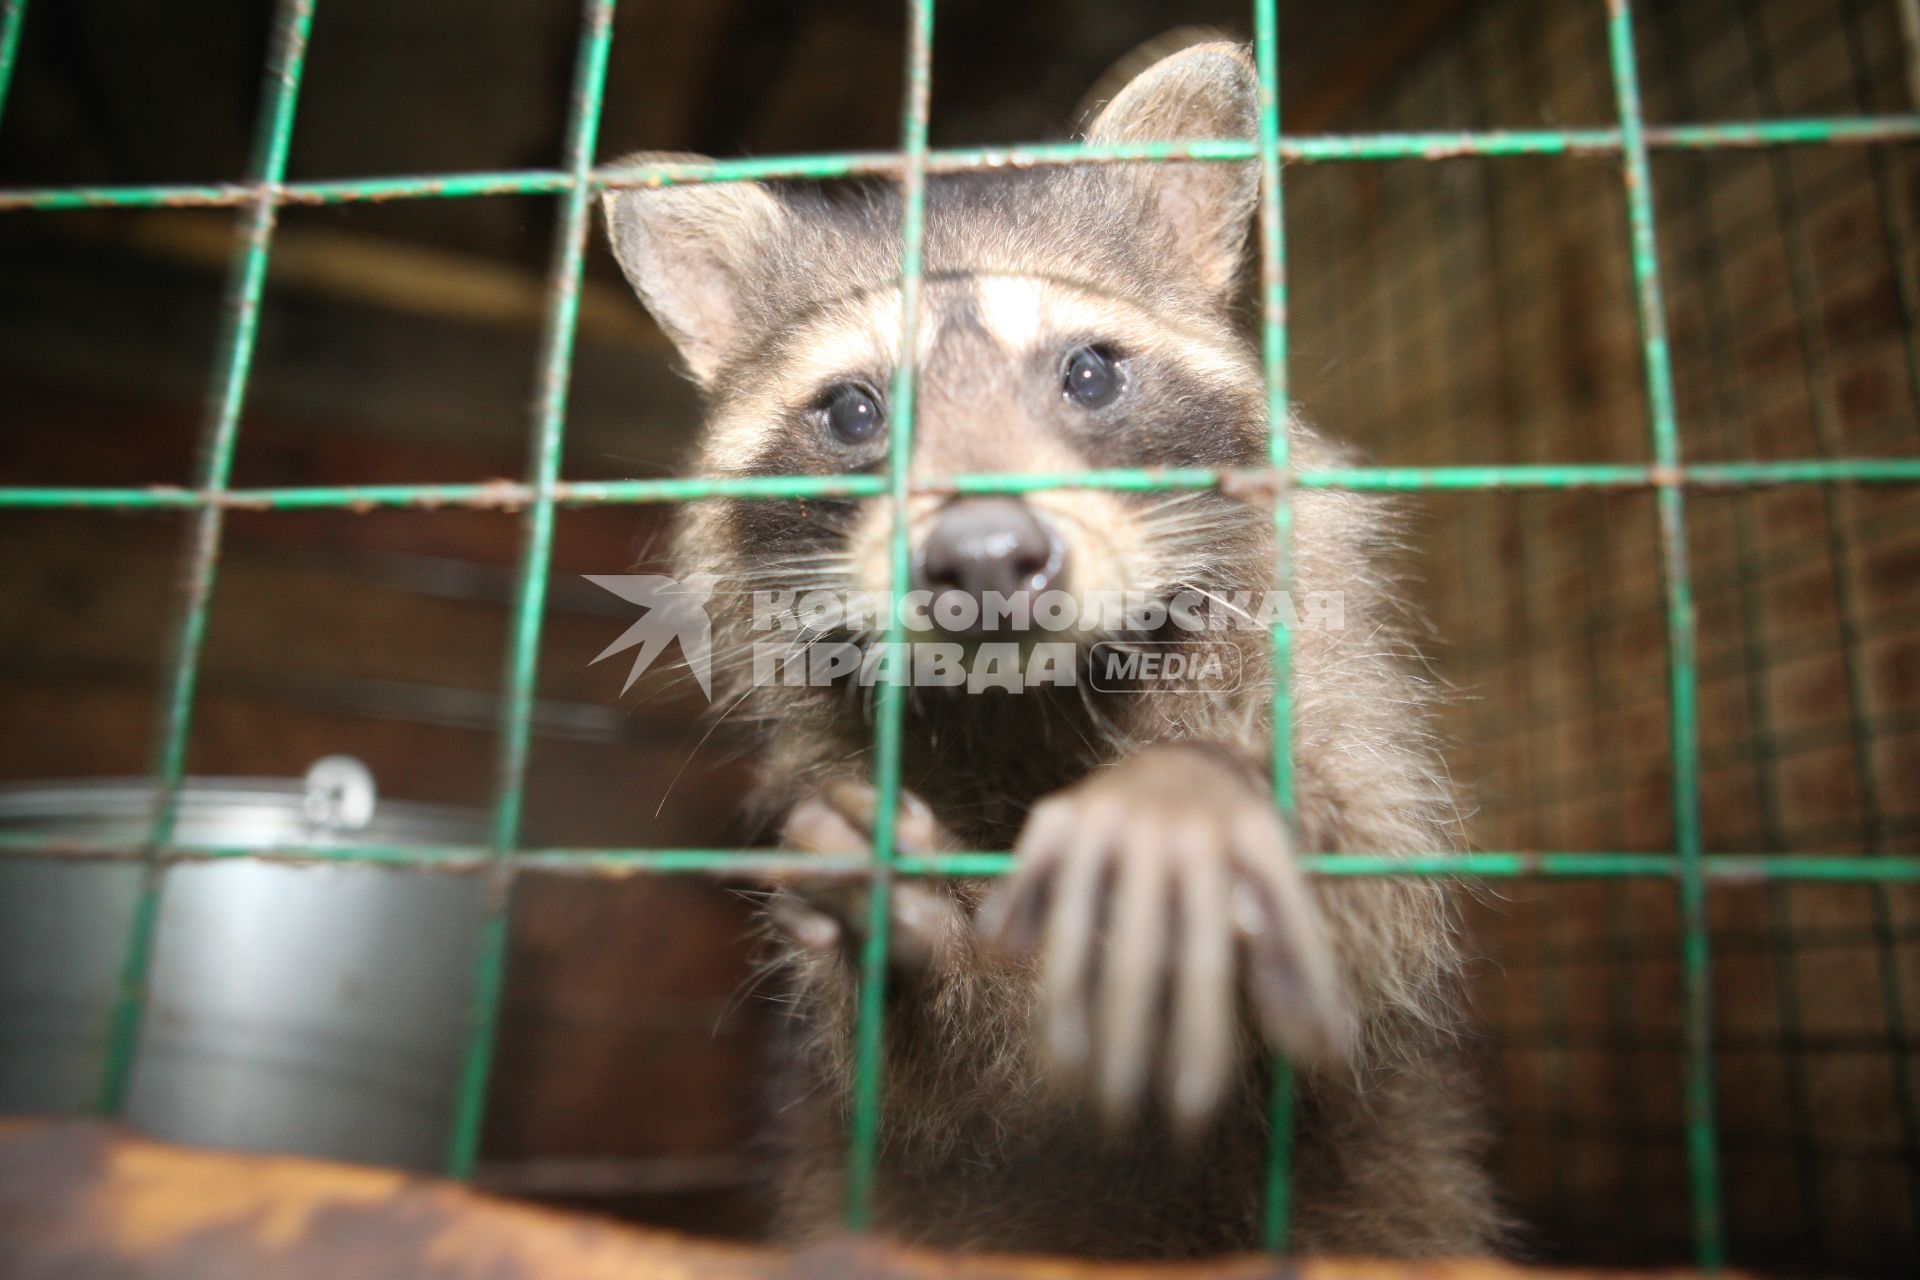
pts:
[1076, 1059]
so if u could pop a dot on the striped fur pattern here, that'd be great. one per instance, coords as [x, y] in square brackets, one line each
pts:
[1075, 1059]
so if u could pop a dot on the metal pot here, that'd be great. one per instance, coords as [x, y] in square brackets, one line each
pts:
[312, 1009]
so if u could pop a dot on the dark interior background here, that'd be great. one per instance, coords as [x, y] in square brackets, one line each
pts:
[1470, 311]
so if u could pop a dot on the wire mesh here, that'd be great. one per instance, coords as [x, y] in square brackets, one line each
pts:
[1667, 476]
[280, 93]
[1437, 274]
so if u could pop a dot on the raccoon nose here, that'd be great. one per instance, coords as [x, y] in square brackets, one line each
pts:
[981, 545]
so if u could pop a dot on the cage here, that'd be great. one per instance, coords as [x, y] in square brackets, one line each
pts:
[1620, 300]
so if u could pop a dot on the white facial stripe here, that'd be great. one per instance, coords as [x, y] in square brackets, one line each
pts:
[1011, 308]
[842, 349]
[862, 333]
[1024, 313]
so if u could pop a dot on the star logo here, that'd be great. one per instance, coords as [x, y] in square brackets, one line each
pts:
[673, 610]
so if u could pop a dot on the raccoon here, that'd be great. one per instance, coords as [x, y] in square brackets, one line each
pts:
[1076, 1057]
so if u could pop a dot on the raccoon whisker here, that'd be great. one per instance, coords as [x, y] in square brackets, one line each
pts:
[1183, 498]
[778, 574]
[806, 559]
[1182, 508]
[727, 661]
[749, 987]
[1189, 514]
[1109, 732]
[756, 894]
[1220, 600]
[775, 962]
[774, 583]
[736, 656]
[1209, 498]
[790, 622]
[724, 657]
[1202, 498]
[831, 518]
[777, 568]
[1195, 526]
[799, 556]
[1095, 533]
[756, 598]
[678, 671]
[682, 771]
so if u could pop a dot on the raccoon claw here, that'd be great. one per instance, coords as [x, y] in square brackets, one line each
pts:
[1154, 893]
[826, 918]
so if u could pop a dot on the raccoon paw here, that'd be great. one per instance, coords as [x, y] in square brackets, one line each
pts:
[928, 922]
[1155, 893]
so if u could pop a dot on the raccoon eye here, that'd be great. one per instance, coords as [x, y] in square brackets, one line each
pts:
[852, 413]
[1091, 379]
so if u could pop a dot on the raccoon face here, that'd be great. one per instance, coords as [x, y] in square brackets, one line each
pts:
[1070, 320]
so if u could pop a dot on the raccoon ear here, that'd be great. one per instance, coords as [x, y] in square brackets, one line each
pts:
[1204, 91]
[688, 251]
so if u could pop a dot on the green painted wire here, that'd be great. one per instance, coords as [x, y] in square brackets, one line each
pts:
[890, 696]
[536, 566]
[13, 16]
[1730, 868]
[280, 93]
[588, 493]
[1696, 961]
[1735, 411]
[1328, 148]
[1276, 1219]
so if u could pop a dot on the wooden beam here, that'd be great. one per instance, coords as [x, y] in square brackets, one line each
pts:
[86, 1199]
[377, 271]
